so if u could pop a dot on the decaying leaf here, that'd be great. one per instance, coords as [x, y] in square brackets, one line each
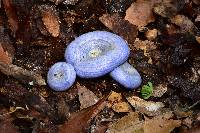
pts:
[185, 24]
[50, 19]
[151, 34]
[6, 55]
[120, 26]
[169, 8]
[117, 104]
[11, 14]
[7, 126]
[161, 124]
[140, 12]
[79, 121]
[148, 107]
[146, 45]
[133, 124]
[159, 90]
[127, 124]
[22, 74]
[86, 97]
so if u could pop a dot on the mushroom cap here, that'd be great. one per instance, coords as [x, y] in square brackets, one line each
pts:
[127, 76]
[96, 53]
[61, 76]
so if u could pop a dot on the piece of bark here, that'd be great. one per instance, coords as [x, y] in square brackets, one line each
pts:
[22, 74]
[12, 16]
[120, 26]
[80, 121]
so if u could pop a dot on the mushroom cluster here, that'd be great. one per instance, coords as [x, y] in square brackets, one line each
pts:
[92, 55]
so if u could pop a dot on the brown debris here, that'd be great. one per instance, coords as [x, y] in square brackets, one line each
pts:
[140, 12]
[6, 55]
[159, 90]
[50, 19]
[151, 34]
[127, 124]
[148, 107]
[22, 74]
[7, 126]
[161, 124]
[146, 45]
[86, 97]
[120, 26]
[185, 24]
[80, 121]
[197, 2]
[11, 14]
[118, 105]
[169, 8]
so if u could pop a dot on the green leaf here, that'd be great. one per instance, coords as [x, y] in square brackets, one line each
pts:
[147, 90]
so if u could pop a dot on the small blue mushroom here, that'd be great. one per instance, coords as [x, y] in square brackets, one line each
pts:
[127, 76]
[96, 53]
[61, 76]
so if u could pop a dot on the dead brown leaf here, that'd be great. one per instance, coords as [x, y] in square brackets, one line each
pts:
[127, 124]
[12, 16]
[140, 12]
[161, 124]
[159, 90]
[7, 126]
[169, 8]
[120, 26]
[22, 74]
[50, 19]
[117, 104]
[151, 34]
[185, 24]
[86, 97]
[148, 107]
[6, 55]
[79, 121]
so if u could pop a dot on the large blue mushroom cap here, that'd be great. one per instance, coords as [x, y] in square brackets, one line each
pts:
[61, 76]
[127, 76]
[96, 53]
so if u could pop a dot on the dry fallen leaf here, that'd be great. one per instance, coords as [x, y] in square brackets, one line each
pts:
[161, 124]
[169, 8]
[11, 14]
[148, 107]
[120, 26]
[86, 97]
[80, 121]
[132, 123]
[185, 24]
[140, 12]
[6, 56]
[127, 124]
[50, 19]
[159, 90]
[117, 104]
[22, 74]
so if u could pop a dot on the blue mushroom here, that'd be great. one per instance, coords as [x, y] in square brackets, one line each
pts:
[127, 76]
[96, 53]
[61, 76]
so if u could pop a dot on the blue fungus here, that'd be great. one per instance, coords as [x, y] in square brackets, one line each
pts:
[61, 76]
[127, 76]
[96, 53]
